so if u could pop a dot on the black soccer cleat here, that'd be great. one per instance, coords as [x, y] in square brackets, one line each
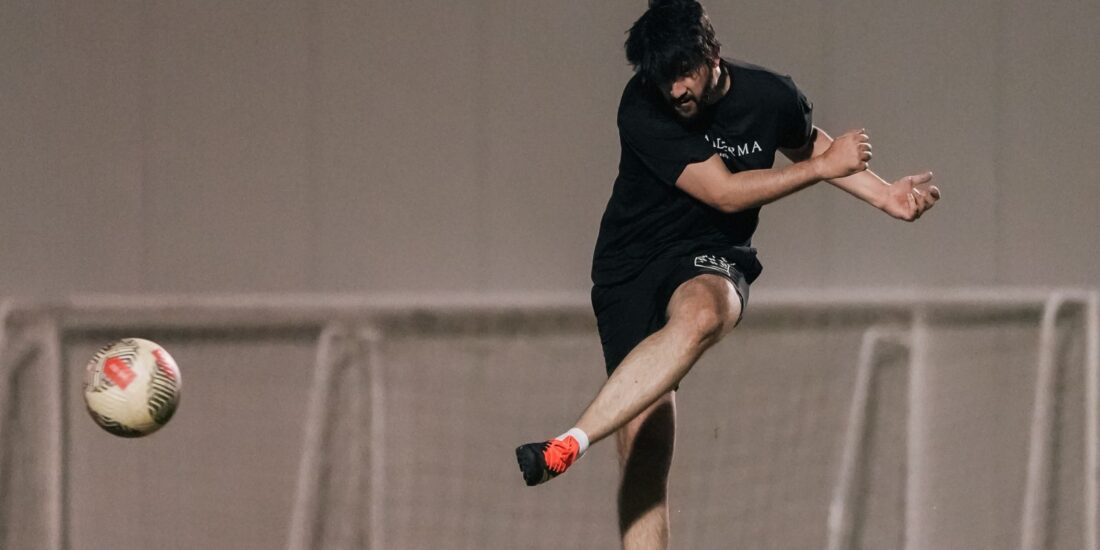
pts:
[541, 462]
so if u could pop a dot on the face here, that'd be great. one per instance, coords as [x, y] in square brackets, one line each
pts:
[689, 93]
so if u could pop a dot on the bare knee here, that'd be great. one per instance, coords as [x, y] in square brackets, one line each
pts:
[705, 326]
[704, 309]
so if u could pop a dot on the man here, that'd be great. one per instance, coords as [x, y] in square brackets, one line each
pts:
[673, 260]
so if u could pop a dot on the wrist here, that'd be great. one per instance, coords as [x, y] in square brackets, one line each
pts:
[880, 196]
[817, 168]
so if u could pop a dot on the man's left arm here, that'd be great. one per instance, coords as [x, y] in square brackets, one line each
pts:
[905, 199]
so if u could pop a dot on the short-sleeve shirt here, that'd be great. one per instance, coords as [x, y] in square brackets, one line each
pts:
[647, 216]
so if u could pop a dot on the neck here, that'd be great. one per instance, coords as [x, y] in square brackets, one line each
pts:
[721, 87]
[723, 83]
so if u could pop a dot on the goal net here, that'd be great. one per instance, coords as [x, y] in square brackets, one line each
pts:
[963, 419]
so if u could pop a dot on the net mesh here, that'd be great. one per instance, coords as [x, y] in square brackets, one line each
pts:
[422, 412]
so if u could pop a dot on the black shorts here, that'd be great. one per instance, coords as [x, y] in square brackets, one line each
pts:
[628, 312]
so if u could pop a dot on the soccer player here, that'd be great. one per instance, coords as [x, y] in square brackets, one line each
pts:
[673, 260]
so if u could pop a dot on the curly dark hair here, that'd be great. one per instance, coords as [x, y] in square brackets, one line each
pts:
[671, 39]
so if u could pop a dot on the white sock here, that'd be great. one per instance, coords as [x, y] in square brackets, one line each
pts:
[580, 436]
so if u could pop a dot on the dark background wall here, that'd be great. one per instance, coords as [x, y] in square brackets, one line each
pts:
[301, 145]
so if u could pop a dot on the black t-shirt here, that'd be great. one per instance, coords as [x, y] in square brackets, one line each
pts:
[647, 216]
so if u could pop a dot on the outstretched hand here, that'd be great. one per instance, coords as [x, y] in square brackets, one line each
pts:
[908, 198]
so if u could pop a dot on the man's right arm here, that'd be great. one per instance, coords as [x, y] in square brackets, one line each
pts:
[712, 183]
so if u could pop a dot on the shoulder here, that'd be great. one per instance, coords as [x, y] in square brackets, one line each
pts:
[638, 100]
[642, 112]
[750, 77]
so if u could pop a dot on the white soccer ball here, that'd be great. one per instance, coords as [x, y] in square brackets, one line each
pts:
[132, 387]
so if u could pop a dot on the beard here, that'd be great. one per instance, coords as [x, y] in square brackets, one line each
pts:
[692, 106]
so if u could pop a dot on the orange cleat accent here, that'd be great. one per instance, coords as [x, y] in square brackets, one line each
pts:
[560, 455]
[541, 462]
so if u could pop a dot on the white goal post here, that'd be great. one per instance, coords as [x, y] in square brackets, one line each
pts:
[351, 327]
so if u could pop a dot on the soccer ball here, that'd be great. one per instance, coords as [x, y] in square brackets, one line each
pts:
[132, 387]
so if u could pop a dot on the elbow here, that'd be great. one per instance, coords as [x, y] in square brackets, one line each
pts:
[731, 205]
[733, 201]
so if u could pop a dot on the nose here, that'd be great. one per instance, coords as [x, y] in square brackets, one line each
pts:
[679, 88]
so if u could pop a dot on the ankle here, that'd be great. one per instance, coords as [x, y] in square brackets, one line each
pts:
[580, 437]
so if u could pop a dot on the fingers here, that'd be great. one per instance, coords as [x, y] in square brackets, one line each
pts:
[860, 135]
[863, 148]
[849, 154]
[919, 179]
[864, 152]
[920, 201]
[930, 192]
[922, 182]
[928, 199]
[920, 195]
[924, 194]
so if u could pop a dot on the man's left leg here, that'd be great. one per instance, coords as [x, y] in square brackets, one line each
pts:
[645, 458]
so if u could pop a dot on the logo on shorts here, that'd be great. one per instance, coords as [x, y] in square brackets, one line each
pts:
[717, 263]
